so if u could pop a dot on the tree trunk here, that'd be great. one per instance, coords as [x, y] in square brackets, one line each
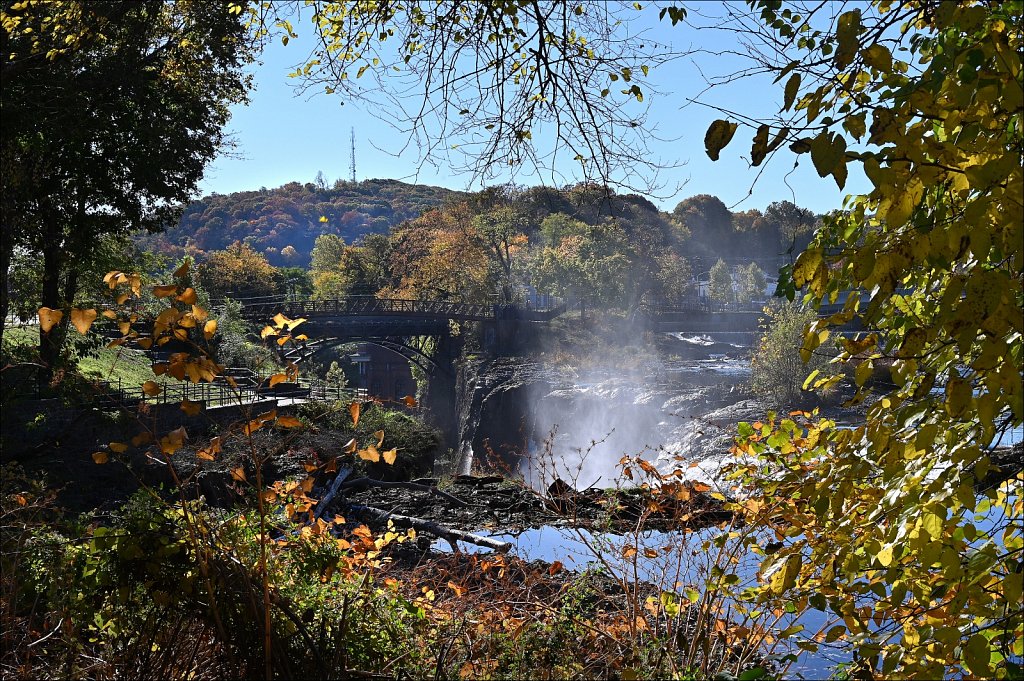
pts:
[50, 344]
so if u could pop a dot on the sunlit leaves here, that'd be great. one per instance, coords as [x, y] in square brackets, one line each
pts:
[83, 319]
[354, 410]
[49, 318]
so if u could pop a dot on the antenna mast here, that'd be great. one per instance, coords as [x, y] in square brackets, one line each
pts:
[352, 165]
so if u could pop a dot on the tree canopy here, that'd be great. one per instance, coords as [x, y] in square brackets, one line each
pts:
[110, 113]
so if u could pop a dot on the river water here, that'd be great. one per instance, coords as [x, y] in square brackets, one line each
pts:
[679, 414]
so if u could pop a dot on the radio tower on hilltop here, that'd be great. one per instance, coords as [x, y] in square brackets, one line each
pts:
[352, 164]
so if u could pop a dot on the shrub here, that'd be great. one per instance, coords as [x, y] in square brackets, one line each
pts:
[777, 370]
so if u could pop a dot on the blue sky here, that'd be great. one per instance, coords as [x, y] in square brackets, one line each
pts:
[282, 137]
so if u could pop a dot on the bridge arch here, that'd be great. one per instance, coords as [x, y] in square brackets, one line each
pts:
[406, 350]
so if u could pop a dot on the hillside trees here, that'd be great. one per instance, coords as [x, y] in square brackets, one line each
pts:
[928, 99]
[720, 283]
[110, 112]
[238, 272]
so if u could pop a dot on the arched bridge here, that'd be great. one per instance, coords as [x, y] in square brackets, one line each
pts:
[393, 323]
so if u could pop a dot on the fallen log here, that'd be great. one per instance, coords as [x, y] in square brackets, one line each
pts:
[448, 533]
[336, 484]
[359, 483]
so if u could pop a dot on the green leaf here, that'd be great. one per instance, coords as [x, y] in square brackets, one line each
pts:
[759, 148]
[719, 134]
[792, 87]
[977, 655]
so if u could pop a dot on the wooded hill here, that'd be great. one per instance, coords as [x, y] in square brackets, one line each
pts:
[272, 220]
[284, 223]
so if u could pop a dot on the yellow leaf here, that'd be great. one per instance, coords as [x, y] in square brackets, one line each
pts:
[122, 298]
[189, 296]
[354, 409]
[49, 318]
[268, 331]
[323, 218]
[289, 422]
[191, 408]
[165, 291]
[83, 319]
[380, 437]
[110, 314]
[210, 329]
[238, 474]
[280, 320]
[151, 388]
[100, 457]
[145, 343]
[782, 575]
[390, 456]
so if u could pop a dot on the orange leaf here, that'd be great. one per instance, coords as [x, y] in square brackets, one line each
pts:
[650, 553]
[208, 453]
[118, 447]
[188, 296]
[145, 343]
[288, 422]
[409, 401]
[283, 339]
[275, 379]
[390, 456]
[339, 520]
[380, 437]
[110, 314]
[628, 551]
[459, 590]
[354, 409]
[351, 446]
[49, 318]
[142, 438]
[122, 298]
[191, 408]
[100, 457]
[209, 329]
[252, 427]
[172, 442]
[369, 454]
[82, 319]
[199, 313]
[181, 271]
[238, 474]
[151, 388]
[165, 291]
[556, 567]
[124, 327]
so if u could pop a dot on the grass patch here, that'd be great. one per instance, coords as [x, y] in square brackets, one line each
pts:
[132, 368]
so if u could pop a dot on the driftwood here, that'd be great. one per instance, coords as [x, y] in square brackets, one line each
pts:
[336, 484]
[359, 483]
[450, 534]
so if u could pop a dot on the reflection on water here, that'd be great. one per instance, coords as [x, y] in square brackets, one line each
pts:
[681, 563]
